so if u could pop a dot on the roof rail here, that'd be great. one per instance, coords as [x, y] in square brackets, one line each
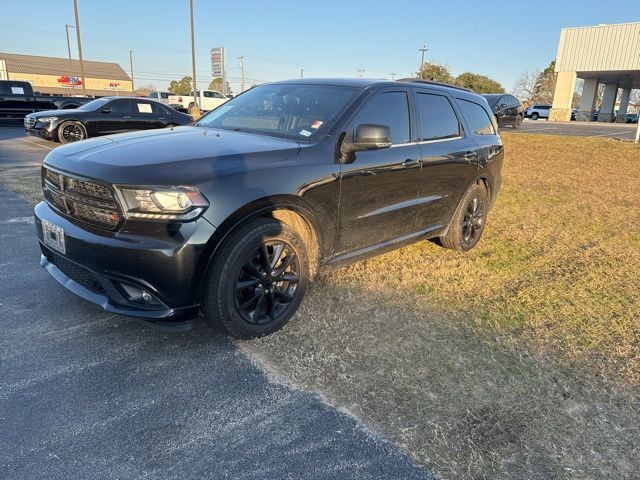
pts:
[431, 82]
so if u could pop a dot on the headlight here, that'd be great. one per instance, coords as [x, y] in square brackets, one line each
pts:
[172, 203]
[47, 119]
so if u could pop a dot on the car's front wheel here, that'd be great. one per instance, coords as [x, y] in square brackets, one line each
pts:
[534, 116]
[257, 279]
[468, 222]
[71, 132]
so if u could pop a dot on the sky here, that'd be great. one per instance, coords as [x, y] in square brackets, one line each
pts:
[498, 38]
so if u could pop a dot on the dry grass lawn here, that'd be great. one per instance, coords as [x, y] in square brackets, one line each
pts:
[520, 359]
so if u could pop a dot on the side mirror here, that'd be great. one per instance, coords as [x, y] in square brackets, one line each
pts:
[367, 137]
[105, 110]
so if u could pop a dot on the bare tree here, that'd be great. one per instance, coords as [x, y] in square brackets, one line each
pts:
[144, 90]
[525, 86]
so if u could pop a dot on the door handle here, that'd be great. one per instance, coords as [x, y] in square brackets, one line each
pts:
[410, 162]
[127, 116]
[162, 118]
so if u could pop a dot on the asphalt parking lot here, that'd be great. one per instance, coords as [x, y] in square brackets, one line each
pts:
[621, 131]
[87, 394]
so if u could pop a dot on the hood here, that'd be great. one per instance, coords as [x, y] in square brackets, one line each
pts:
[170, 156]
[54, 113]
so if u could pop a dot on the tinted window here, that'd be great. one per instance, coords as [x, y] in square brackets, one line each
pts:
[513, 101]
[477, 119]
[390, 109]
[120, 106]
[437, 118]
[164, 95]
[212, 94]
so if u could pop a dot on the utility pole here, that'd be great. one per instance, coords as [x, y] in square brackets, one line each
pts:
[67, 27]
[131, 66]
[360, 72]
[193, 58]
[424, 50]
[75, 11]
[393, 75]
[302, 73]
[241, 58]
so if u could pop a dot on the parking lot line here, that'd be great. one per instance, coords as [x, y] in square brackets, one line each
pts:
[623, 132]
[546, 129]
[36, 144]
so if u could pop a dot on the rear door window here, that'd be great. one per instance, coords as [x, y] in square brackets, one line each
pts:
[477, 118]
[438, 120]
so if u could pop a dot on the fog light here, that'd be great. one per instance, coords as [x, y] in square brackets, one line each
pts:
[139, 295]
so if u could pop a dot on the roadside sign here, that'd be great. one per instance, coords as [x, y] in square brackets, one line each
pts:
[217, 62]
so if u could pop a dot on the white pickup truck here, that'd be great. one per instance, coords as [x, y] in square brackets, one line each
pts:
[207, 100]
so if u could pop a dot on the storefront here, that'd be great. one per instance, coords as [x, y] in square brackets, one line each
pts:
[60, 76]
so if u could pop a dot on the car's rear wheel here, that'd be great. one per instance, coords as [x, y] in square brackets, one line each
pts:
[256, 280]
[534, 116]
[468, 222]
[518, 122]
[71, 131]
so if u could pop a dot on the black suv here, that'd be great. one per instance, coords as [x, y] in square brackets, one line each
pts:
[506, 108]
[236, 213]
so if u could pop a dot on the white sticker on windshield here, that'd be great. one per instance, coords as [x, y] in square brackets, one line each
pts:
[219, 111]
[17, 90]
[305, 133]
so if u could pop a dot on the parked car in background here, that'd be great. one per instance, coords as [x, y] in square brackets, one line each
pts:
[535, 112]
[17, 99]
[506, 109]
[103, 116]
[574, 113]
[632, 117]
[207, 100]
[236, 213]
[162, 97]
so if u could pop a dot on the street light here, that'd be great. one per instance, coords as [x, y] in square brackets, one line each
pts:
[67, 27]
[193, 58]
[131, 66]
[75, 11]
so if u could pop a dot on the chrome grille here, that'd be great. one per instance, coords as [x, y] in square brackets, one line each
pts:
[83, 200]
[29, 121]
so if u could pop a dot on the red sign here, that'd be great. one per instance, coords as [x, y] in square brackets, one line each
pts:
[68, 81]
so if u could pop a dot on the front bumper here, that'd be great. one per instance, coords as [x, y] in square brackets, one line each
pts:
[104, 267]
[41, 132]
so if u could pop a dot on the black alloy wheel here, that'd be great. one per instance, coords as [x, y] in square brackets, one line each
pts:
[468, 222]
[267, 282]
[70, 132]
[473, 220]
[256, 280]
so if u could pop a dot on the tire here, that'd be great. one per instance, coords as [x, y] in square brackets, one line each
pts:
[71, 131]
[534, 116]
[518, 122]
[245, 297]
[468, 222]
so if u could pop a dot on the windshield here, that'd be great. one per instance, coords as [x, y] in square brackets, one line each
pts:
[297, 112]
[94, 104]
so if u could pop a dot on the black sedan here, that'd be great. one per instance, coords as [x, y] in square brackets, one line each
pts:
[103, 116]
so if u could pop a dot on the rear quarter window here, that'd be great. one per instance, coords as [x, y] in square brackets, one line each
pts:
[477, 118]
